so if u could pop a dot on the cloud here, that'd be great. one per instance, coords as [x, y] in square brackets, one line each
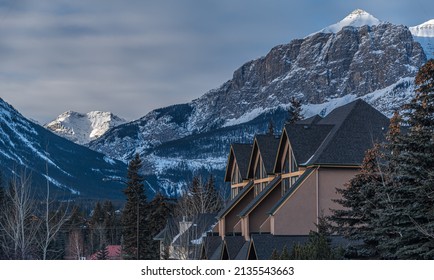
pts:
[133, 56]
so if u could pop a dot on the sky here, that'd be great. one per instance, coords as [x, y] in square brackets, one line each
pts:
[132, 56]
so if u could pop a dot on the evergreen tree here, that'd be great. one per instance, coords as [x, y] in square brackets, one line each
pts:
[275, 255]
[270, 127]
[294, 112]
[111, 223]
[103, 254]
[136, 233]
[162, 208]
[318, 246]
[359, 199]
[97, 228]
[410, 211]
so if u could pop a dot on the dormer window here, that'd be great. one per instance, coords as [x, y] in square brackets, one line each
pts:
[236, 177]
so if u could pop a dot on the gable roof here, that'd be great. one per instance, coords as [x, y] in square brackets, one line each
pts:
[210, 245]
[267, 146]
[341, 138]
[357, 126]
[263, 245]
[235, 200]
[233, 245]
[239, 153]
[305, 139]
[312, 120]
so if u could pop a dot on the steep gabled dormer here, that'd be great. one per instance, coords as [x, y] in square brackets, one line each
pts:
[261, 165]
[236, 169]
[298, 143]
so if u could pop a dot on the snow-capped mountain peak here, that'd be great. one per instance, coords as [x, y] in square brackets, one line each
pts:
[357, 18]
[83, 128]
[425, 29]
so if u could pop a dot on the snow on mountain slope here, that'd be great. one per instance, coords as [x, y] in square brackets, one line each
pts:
[357, 18]
[73, 171]
[425, 29]
[377, 63]
[83, 128]
[424, 34]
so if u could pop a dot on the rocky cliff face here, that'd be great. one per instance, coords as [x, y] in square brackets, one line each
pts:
[355, 61]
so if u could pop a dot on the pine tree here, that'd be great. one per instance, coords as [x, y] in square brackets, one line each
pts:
[136, 234]
[359, 199]
[294, 112]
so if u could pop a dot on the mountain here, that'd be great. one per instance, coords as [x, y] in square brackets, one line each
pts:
[83, 128]
[357, 18]
[424, 34]
[376, 62]
[73, 171]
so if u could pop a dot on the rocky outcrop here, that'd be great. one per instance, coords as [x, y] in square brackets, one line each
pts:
[354, 61]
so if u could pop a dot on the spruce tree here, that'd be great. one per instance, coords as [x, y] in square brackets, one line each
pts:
[103, 254]
[410, 214]
[359, 198]
[294, 112]
[162, 208]
[136, 234]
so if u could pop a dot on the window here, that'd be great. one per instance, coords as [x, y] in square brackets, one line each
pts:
[236, 175]
[235, 191]
[287, 183]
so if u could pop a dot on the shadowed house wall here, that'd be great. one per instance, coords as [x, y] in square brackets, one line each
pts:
[258, 216]
[298, 214]
[232, 218]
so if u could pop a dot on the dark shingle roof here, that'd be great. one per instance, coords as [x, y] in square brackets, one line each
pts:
[268, 145]
[233, 245]
[241, 154]
[341, 138]
[357, 126]
[235, 200]
[305, 139]
[242, 254]
[264, 244]
[260, 196]
[311, 120]
[209, 246]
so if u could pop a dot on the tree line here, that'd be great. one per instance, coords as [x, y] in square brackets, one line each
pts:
[45, 228]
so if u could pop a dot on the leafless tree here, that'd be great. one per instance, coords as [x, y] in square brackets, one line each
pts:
[52, 221]
[19, 224]
[193, 217]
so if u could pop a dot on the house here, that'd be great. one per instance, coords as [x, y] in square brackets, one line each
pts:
[183, 237]
[284, 185]
[113, 253]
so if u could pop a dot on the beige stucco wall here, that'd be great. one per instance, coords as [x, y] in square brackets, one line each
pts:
[231, 219]
[299, 214]
[329, 180]
[258, 216]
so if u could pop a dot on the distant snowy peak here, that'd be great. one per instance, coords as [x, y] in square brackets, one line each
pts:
[357, 18]
[83, 128]
[425, 29]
